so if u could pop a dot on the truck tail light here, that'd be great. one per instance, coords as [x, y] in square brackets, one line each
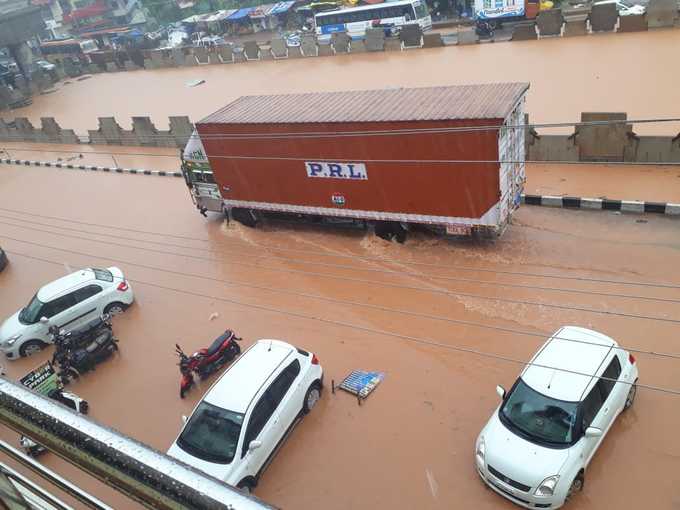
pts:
[123, 286]
[631, 358]
[315, 360]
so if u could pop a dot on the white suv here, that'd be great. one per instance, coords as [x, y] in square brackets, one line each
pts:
[68, 303]
[238, 426]
[535, 448]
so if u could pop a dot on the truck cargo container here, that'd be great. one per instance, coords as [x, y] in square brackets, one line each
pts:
[447, 158]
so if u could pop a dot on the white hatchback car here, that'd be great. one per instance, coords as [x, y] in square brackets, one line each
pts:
[238, 426]
[69, 302]
[535, 448]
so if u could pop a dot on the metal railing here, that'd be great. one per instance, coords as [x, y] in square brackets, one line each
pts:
[132, 468]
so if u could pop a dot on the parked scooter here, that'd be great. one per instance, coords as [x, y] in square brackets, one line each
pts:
[74, 356]
[69, 400]
[485, 28]
[206, 361]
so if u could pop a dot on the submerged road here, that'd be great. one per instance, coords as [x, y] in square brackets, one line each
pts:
[340, 293]
[633, 73]
[627, 182]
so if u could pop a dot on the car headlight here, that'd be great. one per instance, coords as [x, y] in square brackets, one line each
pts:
[12, 339]
[480, 450]
[547, 486]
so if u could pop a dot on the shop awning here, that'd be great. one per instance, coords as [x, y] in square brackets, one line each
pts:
[280, 8]
[260, 11]
[240, 14]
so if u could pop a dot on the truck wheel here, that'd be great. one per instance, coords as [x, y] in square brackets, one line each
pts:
[246, 217]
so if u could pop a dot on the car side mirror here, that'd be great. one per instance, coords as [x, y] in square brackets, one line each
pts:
[44, 320]
[501, 392]
[593, 432]
[254, 445]
[184, 419]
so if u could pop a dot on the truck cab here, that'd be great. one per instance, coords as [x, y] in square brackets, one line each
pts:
[204, 191]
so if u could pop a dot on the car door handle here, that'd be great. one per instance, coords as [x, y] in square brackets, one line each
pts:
[606, 410]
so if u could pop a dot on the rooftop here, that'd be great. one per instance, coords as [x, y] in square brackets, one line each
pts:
[235, 389]
[64, 283]
[486, 101]
[571, 349]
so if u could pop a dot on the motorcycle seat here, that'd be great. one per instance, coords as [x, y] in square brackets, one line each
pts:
[90, 326]
[218, 343]
[98, 342]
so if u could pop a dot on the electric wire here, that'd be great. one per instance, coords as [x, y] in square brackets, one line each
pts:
[361, 257]
[340, 266]
[372, 282]
[408, 131]
[361, 305]
[366, 329]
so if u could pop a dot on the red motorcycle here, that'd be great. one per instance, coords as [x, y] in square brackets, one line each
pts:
[206, 361]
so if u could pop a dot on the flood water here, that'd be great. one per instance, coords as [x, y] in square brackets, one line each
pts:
[362, 303]
[411, 443]
[635, 73]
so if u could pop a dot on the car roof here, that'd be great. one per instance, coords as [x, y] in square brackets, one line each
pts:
[571, 349]
[239, 385]
[53, 289]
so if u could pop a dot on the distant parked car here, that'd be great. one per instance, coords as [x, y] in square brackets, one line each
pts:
[538, 443]
[235, 430]
[68, 303]
[625, 7]
[45, 66]
[3, 259]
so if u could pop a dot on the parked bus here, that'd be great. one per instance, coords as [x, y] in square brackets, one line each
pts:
[60, 49]
[356, 20]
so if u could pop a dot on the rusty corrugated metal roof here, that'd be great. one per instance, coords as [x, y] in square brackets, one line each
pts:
[486, 101]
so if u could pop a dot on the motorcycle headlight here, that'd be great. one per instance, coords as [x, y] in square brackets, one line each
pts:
[12, 339]
[480, 451]
[547, 486]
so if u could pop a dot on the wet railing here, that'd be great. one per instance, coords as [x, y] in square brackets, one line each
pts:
[132, 468]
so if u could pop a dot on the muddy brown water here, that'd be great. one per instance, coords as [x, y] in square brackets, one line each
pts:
[411, 444]
[631, 73]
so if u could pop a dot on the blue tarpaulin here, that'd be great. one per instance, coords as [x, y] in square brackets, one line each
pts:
[240, 14]
[280, 7]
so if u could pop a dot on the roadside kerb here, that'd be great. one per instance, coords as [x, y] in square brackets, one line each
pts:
[70, 166]
[603, 204]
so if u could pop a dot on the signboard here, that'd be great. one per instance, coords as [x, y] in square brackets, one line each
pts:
[42, 379]
[493, 9]
[333, 170]
[194, 156]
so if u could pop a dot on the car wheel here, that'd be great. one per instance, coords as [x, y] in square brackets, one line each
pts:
[631, 395]
[31, 347]
[311, 397]
[115, 308]
[84, 407]
[576, 486]
[247, 485]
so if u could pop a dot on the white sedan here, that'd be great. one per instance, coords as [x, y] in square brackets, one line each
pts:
[536, 446]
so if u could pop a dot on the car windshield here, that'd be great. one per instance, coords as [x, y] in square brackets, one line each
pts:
[212, 434]
[30, 314]
[540, 419]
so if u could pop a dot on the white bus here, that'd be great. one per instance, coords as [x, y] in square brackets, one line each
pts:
[356, 20]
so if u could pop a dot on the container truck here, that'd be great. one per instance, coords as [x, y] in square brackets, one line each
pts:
[449, 159]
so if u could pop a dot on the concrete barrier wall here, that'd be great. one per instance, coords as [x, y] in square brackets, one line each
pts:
[603, 18]
[550, 22]
[662, 13]
[143, 132]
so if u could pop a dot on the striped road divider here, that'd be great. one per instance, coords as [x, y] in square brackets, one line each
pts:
[137, 171]
[603, 204]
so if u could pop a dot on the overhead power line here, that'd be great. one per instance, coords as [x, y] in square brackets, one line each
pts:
[366, 329]
[325, 264]
[408, 131]
[364, 258]
[358, 158]
[374, 282]
[363, 306]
